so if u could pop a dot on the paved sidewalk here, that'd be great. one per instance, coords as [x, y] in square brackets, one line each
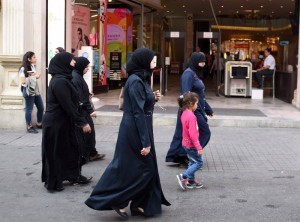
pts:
[250, 174]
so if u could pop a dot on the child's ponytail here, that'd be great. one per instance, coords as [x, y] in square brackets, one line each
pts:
[187, 99]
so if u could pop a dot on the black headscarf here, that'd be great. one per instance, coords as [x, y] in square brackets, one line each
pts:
[81, 64]
[139, 63]
[60, 64]
[194, 61]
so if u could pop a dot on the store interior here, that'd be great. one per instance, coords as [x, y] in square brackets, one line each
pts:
[247, 26]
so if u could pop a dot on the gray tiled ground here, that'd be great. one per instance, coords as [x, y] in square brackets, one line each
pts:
[250, 174]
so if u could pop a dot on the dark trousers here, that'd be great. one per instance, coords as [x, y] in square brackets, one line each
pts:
[30, 101]
[259, 74]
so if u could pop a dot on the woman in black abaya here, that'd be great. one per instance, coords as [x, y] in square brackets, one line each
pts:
[133, 174]
[60, 151]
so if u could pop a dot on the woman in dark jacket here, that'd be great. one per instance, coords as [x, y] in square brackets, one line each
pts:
[87, 140]
[190, 81]
[60, 151]
[133, 173]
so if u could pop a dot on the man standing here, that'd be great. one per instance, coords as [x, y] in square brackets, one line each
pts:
[267, 69]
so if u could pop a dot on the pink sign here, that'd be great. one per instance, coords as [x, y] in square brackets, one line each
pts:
[80, 28]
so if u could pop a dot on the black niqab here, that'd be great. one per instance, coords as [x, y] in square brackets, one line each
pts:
[81, 64]
[139, 63]
[60, 64]
[194, 61]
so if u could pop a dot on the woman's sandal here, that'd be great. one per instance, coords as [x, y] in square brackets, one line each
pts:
[123, 215]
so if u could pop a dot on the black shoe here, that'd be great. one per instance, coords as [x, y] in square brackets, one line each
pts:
[59, 188]
[32, 130]
[97, 157]
[123, 215]
[137, 212]
[39, 126]
[81, 180]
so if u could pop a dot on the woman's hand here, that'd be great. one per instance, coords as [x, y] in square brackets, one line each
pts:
[145, 151]
[86, 129]
[93, 115]
[157, 95]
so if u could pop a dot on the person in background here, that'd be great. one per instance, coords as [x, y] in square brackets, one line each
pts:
[267, 69]
[190, 141]
[132, 176]
[214, 68]
[59, 49]
[190, 82]
[88, 140]
[30, 90]
[61, 155]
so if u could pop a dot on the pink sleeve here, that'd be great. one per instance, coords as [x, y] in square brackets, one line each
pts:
[194, 133]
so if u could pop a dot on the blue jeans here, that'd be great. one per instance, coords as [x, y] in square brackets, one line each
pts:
[30, 101]
[195, 163]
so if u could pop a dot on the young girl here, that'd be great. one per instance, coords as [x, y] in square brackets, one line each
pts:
[190, 141]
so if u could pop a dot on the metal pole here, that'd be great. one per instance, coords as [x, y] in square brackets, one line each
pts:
[298, 68]
[166, 89]
[160, 81]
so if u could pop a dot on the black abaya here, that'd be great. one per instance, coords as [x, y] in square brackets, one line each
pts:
[131, 176]
[60, 152]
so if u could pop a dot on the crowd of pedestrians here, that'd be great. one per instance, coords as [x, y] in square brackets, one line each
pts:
[68, 140]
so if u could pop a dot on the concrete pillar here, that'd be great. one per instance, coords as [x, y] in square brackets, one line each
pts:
[22, 28]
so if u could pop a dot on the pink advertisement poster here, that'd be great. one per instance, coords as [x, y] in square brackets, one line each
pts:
[80, 28]
[119, 35]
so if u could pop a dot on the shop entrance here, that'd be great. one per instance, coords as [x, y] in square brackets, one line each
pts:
[217, 36]
[173, 59]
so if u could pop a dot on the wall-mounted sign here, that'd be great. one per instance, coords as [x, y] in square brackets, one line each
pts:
[207, 35]
[115, 60]
[174, 34]
[283, 43]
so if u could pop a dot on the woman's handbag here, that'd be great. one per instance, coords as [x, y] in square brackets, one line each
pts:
[121, 99]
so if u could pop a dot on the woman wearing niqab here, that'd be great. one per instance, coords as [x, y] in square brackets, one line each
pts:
[133, 175]
[191, 82]
[60, 152]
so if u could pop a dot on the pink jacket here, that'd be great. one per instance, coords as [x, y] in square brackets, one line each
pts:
[190, 133]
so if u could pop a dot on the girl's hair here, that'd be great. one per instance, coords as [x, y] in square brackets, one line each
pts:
[25, 62]
[187, 99]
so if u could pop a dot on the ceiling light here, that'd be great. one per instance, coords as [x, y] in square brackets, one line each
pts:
[109, 0]
[242, 6]
[261, 6]
[165, 6]
[222, 6]
[168, 11]
[281, 6]
[183, 6]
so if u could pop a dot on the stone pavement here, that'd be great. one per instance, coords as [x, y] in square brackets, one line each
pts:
[250, 174]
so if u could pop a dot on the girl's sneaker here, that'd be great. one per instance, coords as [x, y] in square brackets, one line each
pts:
[196, 184]
[182, 182]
